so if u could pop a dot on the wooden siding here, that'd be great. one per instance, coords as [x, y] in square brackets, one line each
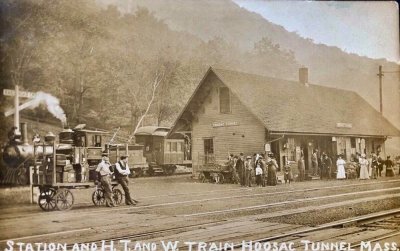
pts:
[248, 136]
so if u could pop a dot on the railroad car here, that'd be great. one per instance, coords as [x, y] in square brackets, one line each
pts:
[163, 154]
[136, 161]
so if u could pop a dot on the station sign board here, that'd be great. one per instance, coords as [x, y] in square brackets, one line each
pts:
[344, 125]
[21, 94]
[224, 124]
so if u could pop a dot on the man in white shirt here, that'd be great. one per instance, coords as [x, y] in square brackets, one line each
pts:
[121, 174]
[103, 169]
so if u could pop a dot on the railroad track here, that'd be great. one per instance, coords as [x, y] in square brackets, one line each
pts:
[227, 198]
[260, 193]
[381, 216]
[376, 217]
[162, 232]
[379, 222]
[150, 234]
[287, 202]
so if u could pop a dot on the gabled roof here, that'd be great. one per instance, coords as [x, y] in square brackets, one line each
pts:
[288, 106]
[153, 131]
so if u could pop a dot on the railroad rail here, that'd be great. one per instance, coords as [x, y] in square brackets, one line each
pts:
[341, 223]
[185, 226]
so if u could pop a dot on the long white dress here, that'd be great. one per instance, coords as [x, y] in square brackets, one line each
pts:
[341, 172]
[364, 174]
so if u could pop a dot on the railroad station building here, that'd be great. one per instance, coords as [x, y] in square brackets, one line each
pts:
[232, 112]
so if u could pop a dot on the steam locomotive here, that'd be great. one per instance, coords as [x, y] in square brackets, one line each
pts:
[75, 157]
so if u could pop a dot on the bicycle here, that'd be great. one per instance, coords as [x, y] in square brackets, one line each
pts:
[98, 198]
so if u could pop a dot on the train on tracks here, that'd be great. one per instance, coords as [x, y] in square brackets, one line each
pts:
[57, 167]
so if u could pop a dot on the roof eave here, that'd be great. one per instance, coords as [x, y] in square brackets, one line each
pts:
[329, 134]
[188, 102]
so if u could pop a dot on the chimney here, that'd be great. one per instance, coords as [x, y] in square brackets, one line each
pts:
[303, 76]
[24, 130]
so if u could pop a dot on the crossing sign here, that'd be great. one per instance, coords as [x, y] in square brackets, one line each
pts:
[21, 94]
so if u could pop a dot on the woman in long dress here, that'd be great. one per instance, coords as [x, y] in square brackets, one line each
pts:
[272, 167]
[364, 175]
[341, 172]
[389, 167]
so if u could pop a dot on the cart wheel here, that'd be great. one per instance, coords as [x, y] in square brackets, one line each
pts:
[169, 169]
[46, 199]
[202, 177]
[117, 196]
[98, 197]
[64, 199]
[221, 178]
[150, 171]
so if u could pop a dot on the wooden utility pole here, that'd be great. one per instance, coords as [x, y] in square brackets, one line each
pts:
[16, 106]
[18, 94]
[380, 75]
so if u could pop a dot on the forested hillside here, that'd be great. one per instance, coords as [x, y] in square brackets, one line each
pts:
[103, 65]
[328, 65]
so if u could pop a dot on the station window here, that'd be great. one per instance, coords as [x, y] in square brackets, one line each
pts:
[353, 142]
[224, 100]
[174, 147]
[168, 147]
[97, 141]
[80, 141]
[208, 146]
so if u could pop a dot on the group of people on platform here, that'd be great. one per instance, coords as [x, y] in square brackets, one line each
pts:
[263, 168]
[121, 172]
[243, 169]
[358, 167]
[372, 167]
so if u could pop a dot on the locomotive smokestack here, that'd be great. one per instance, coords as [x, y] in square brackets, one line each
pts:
[24, 132]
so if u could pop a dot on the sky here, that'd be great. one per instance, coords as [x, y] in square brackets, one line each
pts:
[366, 28]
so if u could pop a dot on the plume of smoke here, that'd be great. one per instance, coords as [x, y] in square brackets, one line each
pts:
[52, 104]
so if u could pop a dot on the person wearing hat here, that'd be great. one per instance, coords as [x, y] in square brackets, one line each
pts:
[259, 173]
[235, 175]
[272, 168]
[374, 166]
[314, 162]
[240, 169]
[341, 171]
[288, 176]
[264, 169]
[327, 166]
[302, 168]
[248, 170]
[121, 174]
[364, 175]
[389, 167]
[104, 171]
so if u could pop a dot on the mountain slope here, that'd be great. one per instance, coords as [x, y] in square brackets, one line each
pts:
[327, 65]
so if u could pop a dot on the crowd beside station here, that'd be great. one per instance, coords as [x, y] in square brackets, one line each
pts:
[259, 170]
